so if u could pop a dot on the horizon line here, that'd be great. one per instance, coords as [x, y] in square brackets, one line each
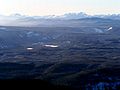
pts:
[59, 14]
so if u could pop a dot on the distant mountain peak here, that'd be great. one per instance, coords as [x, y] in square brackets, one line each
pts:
[18, 19]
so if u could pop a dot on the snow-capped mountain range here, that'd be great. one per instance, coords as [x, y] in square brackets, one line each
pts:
[24, 20]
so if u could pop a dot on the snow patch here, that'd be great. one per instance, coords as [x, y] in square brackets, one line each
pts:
[110, 28]
[29, 48]
[52, 46]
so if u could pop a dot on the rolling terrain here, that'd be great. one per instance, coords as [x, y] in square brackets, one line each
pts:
[83, 53]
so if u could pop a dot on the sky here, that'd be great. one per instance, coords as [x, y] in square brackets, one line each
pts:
[58, 7]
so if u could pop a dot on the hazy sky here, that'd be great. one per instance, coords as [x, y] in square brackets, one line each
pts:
[58, 7]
